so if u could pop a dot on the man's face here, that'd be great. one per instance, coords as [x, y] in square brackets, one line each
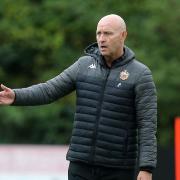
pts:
[110, 39]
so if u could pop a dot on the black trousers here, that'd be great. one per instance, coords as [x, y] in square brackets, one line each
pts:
[82, 171]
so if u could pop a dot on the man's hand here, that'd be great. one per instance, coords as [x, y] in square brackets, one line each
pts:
[144, 175]
[7, 96]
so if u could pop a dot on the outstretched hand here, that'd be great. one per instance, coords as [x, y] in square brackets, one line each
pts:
[7, 95]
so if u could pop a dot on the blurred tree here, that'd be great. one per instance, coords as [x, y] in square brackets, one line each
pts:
[38, 39]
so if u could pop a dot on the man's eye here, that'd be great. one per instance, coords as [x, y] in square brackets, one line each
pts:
[108, 33]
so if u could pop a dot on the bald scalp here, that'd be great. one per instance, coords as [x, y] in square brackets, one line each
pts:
[115, 20]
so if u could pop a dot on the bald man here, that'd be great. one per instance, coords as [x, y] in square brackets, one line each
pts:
[115, 119]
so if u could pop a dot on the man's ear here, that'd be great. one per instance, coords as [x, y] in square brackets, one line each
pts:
[124, 34]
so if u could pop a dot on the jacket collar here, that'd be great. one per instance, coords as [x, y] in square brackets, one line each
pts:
[93, 50]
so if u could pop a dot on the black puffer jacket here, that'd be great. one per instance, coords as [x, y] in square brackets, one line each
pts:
[116, 109]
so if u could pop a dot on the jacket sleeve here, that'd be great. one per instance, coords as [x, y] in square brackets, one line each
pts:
[53, 89]
[146, 116]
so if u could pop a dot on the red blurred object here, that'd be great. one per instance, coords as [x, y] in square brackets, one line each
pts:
[177, 148]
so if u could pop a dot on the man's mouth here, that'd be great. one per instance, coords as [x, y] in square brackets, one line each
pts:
[103, 47]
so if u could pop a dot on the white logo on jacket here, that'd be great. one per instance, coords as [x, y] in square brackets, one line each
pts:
[92, 66]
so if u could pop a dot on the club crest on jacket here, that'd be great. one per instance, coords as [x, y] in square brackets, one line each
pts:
[124, 75]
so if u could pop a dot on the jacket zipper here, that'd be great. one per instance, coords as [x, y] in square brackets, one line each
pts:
[97, 119]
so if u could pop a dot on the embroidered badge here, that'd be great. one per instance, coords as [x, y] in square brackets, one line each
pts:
[124, 75]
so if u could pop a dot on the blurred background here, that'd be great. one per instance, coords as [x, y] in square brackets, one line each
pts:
[40, 38]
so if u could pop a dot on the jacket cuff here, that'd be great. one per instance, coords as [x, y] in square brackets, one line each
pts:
[147, 168]
[14, 102]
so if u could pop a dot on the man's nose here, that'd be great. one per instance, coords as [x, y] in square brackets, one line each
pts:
[101, 38]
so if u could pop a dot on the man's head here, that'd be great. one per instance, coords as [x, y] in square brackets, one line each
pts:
[111, 34]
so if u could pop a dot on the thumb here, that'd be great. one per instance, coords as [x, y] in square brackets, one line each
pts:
[4, 87]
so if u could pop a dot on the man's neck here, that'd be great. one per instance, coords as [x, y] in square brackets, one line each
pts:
[109, 59]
